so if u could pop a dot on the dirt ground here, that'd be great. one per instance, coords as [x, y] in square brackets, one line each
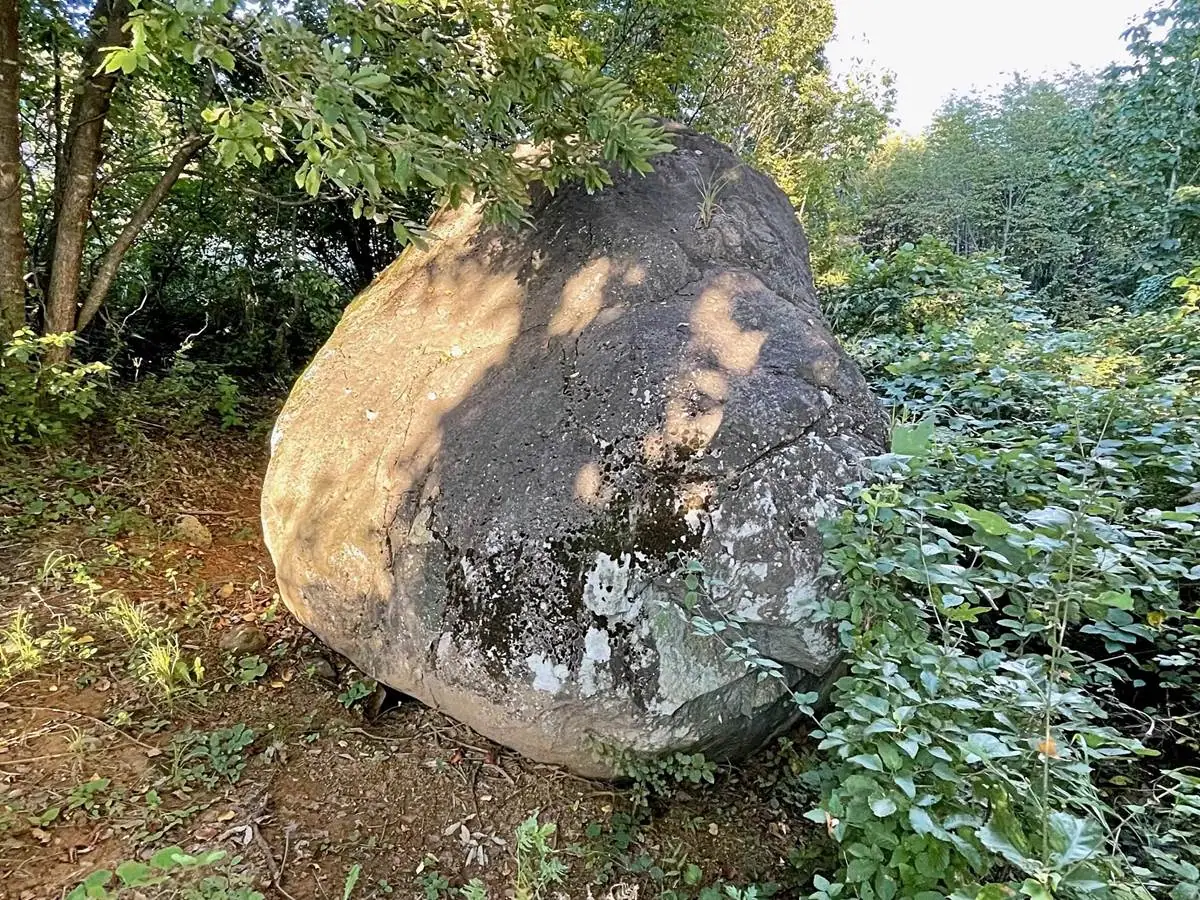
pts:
[122, 733]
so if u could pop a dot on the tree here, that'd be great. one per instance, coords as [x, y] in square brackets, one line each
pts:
[374, 102]
[1139, 164]
[988, 175]
[12, 234]
[751, 73]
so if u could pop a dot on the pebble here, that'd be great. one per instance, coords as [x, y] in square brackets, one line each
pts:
[322, 668]
[192, 531]
[244, 640]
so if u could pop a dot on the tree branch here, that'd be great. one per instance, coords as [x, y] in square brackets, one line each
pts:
[107, 270]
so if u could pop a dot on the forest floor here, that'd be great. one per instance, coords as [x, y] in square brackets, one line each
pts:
[126, 728]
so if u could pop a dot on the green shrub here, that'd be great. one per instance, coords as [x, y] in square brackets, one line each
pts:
[919, 284]
[186, 397]
[1018, 606]
[42, 402]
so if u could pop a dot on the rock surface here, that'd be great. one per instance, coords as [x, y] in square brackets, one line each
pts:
[483, 488]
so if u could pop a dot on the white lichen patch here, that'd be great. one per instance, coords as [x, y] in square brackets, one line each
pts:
[349, 553]
[606, 590]
[593, 671]
[548, 676]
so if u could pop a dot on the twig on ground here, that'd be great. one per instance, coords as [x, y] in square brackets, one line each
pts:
[503, 774]
[382, 738]
[265, 849]
[82, 715]
[441, 733]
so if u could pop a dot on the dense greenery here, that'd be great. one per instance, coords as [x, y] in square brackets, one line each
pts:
[1020, 610]
[1020, 283]
[236, 172]
[1085, 185]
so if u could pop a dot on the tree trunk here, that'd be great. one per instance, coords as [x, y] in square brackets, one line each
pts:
[12, 232]
[84, 147]
[107, 270]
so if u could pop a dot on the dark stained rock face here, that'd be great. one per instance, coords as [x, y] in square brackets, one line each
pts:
[484, 488]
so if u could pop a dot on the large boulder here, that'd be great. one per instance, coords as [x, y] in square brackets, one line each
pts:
[484, 487]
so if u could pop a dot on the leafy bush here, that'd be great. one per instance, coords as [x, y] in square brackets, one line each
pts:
[919, 284]
[40, 401]
[1019, 582]
[184, 398]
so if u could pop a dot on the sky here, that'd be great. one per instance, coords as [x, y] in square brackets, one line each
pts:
[939, 47]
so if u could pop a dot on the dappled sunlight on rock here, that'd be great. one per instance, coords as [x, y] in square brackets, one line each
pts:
[484, 489]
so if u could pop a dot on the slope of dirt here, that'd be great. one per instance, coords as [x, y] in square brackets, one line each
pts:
[122, 733]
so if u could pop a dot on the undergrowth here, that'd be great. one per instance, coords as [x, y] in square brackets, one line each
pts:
[1018, 599]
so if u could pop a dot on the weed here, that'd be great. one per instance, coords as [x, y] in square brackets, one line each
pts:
[212, 757]
[538, 865]
[18, 648]
[160, 665]
[42, 402]
[657, 777]
[250, 669]
[434, 885]
[1015, 573]
[157, 659]
[358, 689]
[607, 843]
[170, 872]
[89, 796]
[351, 881]
[710, 188]
[130, 619]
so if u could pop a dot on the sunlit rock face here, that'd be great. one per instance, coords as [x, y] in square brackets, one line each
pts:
[483, 489]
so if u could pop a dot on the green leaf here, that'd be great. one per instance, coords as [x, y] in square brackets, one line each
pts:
[861, 869]
[985, 746]
[167, 858]
[1073, 839]
[921, 821]
[1003, 836]
[985, 520]
[133, 873]
[223, 58]
[883, 807]
[1035, 890]
[351, 881]
[913, 440]
[867, 761]
[1116, 599]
